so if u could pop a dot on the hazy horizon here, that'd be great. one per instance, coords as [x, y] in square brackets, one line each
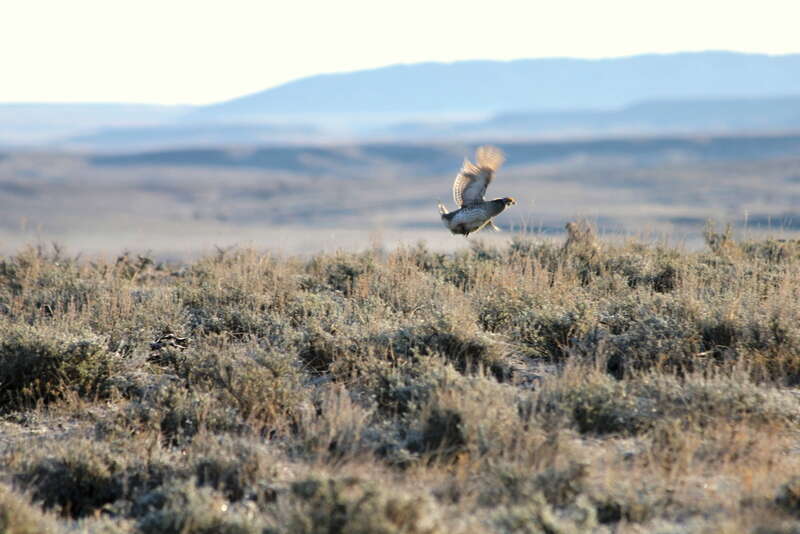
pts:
[194, 54]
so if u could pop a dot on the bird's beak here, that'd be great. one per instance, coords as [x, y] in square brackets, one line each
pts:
[512, 201]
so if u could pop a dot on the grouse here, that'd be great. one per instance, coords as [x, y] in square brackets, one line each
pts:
[468, 189]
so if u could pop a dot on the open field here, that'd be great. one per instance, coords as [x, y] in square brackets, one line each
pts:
[577, 386]
[303, 199]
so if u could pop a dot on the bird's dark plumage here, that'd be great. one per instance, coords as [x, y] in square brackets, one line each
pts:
[469, 189]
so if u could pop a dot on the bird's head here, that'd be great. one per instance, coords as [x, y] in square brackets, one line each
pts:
[509, 201]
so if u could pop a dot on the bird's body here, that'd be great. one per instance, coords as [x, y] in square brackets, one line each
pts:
[470, 219]
[468, 190]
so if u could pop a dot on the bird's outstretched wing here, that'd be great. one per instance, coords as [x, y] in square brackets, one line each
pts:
[471, 183]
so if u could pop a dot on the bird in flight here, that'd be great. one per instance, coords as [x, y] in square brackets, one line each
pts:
[468, 189]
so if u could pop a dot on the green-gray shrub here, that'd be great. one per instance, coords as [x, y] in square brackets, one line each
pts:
[41, 363]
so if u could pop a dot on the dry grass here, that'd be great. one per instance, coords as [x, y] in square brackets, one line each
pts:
[531, 388]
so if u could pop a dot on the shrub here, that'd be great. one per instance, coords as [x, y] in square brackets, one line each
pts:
[41, 363]
[185, 507]
[471, 417]
[77, 482]
[237, 295]
[538, 516]
[238, 469]
[348, 505]
[597, 404]
[772, 250]
[178, 414]
[45, 284]
[459, 345]
[538, 387]
[406, 386]
[18, 516]
[263, 386]
[335, 429]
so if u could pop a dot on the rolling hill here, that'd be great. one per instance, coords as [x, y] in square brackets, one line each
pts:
[528, 84]
[698, 92]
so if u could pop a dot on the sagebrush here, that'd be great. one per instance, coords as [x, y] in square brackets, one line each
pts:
[536, 387]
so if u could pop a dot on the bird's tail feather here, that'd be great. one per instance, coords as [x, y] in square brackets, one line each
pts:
[489, 157]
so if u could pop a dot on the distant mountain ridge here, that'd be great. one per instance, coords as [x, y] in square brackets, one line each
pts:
[35, 123]
[702, 92]
[526, 84]
[658, 117]
[648, 117]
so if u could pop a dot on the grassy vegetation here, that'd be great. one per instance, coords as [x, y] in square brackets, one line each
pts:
[536, 387]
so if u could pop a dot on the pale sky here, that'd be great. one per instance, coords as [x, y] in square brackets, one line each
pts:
[196, 52]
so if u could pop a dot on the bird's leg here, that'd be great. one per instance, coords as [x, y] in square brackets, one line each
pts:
[494, 227]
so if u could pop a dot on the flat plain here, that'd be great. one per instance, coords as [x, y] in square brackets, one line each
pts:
[642, 378]
[303, 199]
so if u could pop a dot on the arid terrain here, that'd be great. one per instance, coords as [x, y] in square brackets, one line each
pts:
[287, 340]
[576, 386]
[231, 303]
[176, 204]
